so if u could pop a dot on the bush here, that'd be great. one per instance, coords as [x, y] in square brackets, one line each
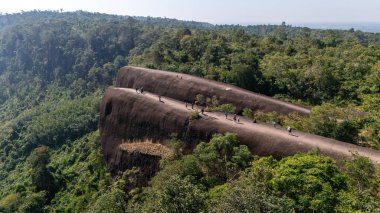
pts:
[223, 108]
[194, 115]
[248, 113]
[269, 117]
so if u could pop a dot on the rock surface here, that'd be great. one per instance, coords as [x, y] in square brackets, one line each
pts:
[126, 115]
[184, 87]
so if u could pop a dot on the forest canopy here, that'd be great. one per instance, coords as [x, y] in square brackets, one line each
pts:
[54, 67]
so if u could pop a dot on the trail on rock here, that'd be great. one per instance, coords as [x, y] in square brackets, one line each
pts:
[185, 87]
[315, 141]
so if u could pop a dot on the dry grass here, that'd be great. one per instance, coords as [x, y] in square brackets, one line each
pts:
[148, 148]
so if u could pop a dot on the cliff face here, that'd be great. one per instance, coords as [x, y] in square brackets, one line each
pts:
[185, 87]
[126, 116]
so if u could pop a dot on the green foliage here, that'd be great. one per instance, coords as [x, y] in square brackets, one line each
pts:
[174, 144]
[222, 158]
[41, 177]
[33, 203]
[214, 195]
[361, 173]
[251, 198]
[147, 200]
[324, 119]
[347, 124]
[364, 182]
[185, 166]
[248, 113]
[111, 201]
[194, 115]
[52, 65]
[10, 203]
[268, 117]
[229, 108]
[181, 195]
[80, 168]
[312, 181]
[200, 99]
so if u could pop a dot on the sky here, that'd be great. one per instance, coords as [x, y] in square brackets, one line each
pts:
[218, 11]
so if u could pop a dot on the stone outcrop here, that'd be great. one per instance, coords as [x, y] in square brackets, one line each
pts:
[126, 115]
[185, 87]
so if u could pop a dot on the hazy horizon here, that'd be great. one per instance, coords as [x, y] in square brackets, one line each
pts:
[214, 11]
[339, 14]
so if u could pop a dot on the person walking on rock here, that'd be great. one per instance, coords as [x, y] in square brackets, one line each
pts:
[274, 124]
[235, 118]
[225, 113]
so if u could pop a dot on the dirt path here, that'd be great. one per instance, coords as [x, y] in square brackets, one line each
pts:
[279, 132]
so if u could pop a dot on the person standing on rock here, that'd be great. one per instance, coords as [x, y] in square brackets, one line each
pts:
[235, 118]
[142, 90]
[238, 119]
[290, 130]
[203, 110]
[225, 113]
[274, 124]
[159, 98]
[192, 105]
[186, 104]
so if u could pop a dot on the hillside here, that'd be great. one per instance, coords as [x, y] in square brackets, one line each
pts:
[55, 67]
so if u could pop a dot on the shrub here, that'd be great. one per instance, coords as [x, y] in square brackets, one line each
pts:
[194, 115]
[223, 108]
[248, 113]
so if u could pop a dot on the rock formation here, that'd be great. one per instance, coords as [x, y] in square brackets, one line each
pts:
[185, 87]
[126, 115]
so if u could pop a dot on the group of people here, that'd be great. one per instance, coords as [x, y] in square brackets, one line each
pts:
[289, 129]
[235, 117]
[140, 90]
[192, 104]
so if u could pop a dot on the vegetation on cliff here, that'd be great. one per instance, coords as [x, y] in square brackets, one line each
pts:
[54, 67]
[221, 177]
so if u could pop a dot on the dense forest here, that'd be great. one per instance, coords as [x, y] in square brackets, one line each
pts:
[54, 67]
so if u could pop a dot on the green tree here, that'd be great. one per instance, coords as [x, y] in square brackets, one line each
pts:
[41, 177]
[222, 158]
[243, 197]
[363, 188]
[312, 181]
[181, 195]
